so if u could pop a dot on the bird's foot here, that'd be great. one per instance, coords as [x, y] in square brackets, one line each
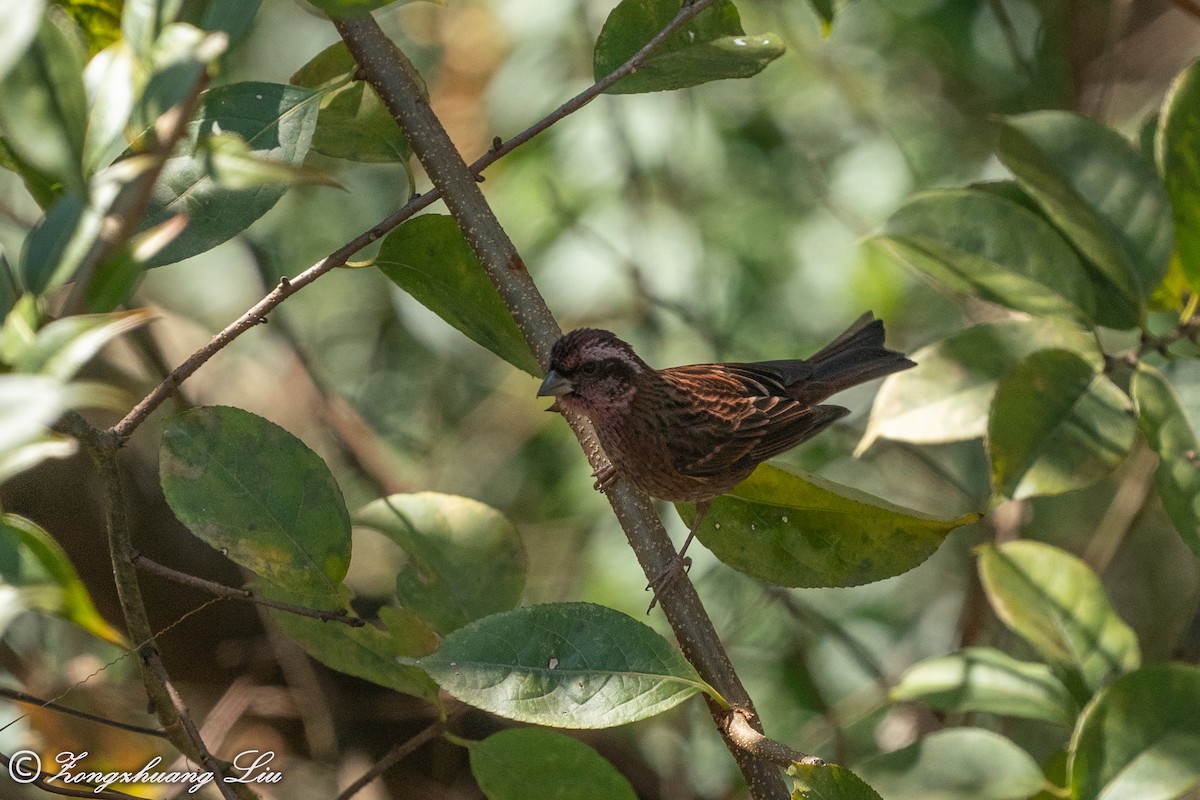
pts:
[675, 569]
[604, 477]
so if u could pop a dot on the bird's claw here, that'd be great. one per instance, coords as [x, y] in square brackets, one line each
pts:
[604, 477]
[675, 569]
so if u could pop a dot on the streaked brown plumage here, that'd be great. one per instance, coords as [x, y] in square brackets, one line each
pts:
[691, 433]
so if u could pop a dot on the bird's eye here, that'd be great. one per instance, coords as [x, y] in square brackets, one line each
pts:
[589, 368]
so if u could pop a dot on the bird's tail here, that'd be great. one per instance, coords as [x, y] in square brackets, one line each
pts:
[857, 356]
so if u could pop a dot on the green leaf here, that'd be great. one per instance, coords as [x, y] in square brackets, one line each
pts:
[1056, 425]
[1177, 150]
[65, 345]
[947, 396]
[982, 244]
[57, 246]
[253, 491]
[828, 782]
[142, 21]
[100, 20]
[354, 124]
[1104, 195]
[21, 21]
[980, 679]
[1056, 603]
[342, 9]
[229, 160]
[10, 290]
[521, 763]
[111, 81]
[1170, 435]
[570, 665]
[179, 61]
[276, 120]
[793, 528]
[955, 764]
[43, 110]
[1139, 738]
[231, 17]
[369, 652]
[28, 404]
[428, 257]
[44, 563]
[710, 47]
[465, 559]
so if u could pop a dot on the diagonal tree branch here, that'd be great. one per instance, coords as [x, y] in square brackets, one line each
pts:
[392, 76]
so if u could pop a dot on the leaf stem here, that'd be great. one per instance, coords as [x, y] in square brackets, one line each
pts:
[221, 590]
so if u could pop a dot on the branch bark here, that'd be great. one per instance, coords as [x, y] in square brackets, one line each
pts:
[392, 76]
[180, 730]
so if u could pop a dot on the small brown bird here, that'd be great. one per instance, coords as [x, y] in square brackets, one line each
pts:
[689, 434]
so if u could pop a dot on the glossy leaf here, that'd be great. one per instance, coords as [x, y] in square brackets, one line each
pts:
[64, 345]
[1056, 603]
[521, 763]
[45, 563]
[570, 665]
[43, 110]
[1170, 434]
[1179, 163]
[369, 652]
[984, 245]
[255, 492]
[353, 123]
[21, 21]
[1056, 425]
[947, 396]
[828, 782]
[277, 121]
[710, 47]
[793, 528]
[428, 258]
[980, 679]
[1139, 737]
[1103, 195]
[955, 764]
[465, 560]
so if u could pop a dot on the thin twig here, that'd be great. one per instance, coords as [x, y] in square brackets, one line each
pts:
[25, 697]
[394, 756]
[181, 730]
[221, 590]
[154, 662]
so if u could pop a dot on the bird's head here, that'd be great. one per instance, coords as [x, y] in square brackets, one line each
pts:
[592, 372]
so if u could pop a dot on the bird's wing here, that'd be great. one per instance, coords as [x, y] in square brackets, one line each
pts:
[732, 416]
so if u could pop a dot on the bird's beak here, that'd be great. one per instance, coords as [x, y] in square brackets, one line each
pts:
[555, 385]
